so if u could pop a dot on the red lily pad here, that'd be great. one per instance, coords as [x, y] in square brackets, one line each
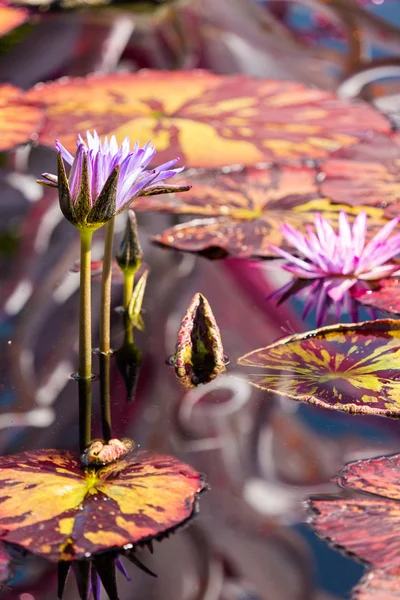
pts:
[245, 208]
[366, 524]
[186, 113]
[53, 507]
[19, 118]
[10, 18]
[365, 174]
[353, 368]
[385, 298]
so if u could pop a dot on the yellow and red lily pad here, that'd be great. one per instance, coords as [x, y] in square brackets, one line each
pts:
[208, 120]
[366, 524]
[53, 507]
[353, 368]
[11, 17]
[19, 118]
[365, 174]
[245, 210]
[385, 298]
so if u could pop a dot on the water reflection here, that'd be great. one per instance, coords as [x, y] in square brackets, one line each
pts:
[315, 296]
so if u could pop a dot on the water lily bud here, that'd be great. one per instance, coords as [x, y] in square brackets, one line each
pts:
[136, 303]
[199, 355]
[130, 253]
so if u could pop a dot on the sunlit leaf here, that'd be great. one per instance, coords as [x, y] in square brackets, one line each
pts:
[367, 173]
[199, 355]
[354, 368]
[19, 118]
[10, 18]
[385, 298]
[52, 507]
[208, 120]
[366, 524]
[246, 209]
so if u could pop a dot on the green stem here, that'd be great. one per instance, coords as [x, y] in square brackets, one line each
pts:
[106, 289]
[129, 278]
[85, 342]
[105, 335]
[85, 312]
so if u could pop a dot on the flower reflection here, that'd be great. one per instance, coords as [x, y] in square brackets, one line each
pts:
[317, 297]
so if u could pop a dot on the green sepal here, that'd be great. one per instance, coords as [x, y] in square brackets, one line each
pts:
[105, 205]
[83, 202]
[64, 194]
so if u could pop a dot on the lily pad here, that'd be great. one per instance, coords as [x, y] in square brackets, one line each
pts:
[245, 209]
[366, 524]
[208, 120]
[354, 368]
[53, 507]
[385, 298]
[19, 119]
[365, 174]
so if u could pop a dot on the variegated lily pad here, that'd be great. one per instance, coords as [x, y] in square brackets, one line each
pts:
[353, 368]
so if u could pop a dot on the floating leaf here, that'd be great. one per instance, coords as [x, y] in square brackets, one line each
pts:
[386, 297]
[19, 118]
[366, 524]
[10, 18]
[199, 355]
[208, 120]
[52, 507]
[247, 208]
[354, 368]
[365, 174]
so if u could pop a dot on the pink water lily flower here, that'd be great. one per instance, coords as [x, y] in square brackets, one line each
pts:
[341, 258]
[105, 178]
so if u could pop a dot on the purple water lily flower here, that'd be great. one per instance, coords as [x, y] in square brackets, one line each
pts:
[105, 178]
[343, 258]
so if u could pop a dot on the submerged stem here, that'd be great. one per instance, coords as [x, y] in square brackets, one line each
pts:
[105, 336]
[85, 413]
[105, 396]
[129, 278]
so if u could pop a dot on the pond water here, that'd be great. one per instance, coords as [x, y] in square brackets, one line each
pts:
[262, 456]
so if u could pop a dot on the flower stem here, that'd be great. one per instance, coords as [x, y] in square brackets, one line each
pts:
[85, 312]
[85, 342]
[106, 289]
[129, 278]
[105, 337]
